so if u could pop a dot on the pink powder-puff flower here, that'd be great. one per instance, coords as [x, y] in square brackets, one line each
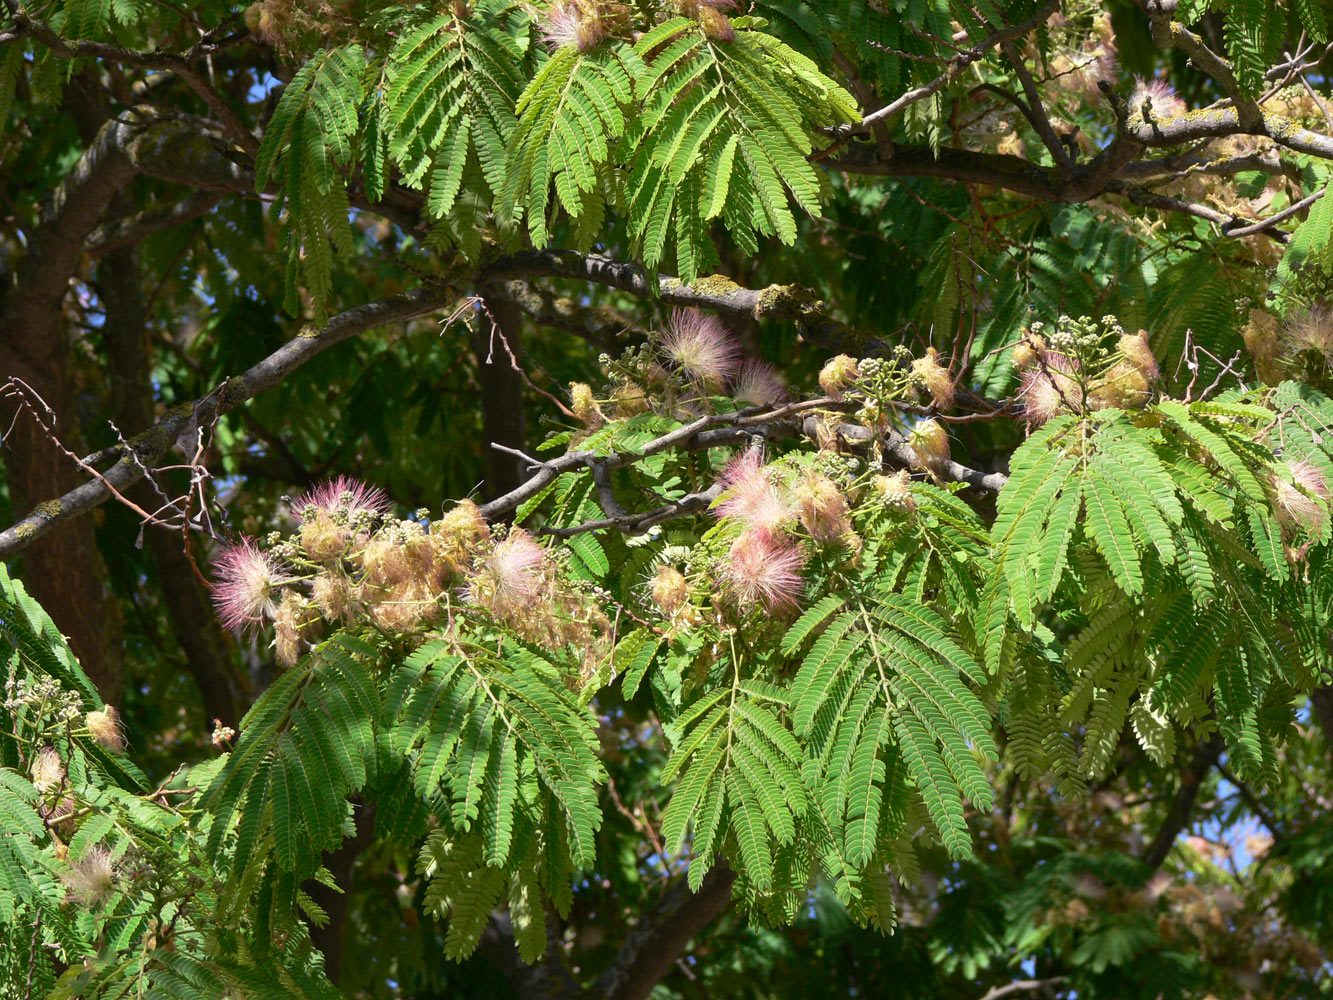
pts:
[1302, 503]
[247, 580]
[752, 497]
[759, 384]
[1161, 98]
[701, 347]
[764, 568]
[344, 494]
[575, 24]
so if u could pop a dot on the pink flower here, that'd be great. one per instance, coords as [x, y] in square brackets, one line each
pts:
[570, 23]
[759, 384]
[1302, 503]
[752, 497]
[344, 494]
[1309, 477]
[762, 567]
[701, 347]
[509, 579]
[247, 579]
[1161, 97]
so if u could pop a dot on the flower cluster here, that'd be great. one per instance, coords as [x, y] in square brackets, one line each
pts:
[693, 359]
[1083, 364]
[779, 509]
[351, 564]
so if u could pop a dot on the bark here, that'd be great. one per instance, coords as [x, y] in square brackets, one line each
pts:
[653, 946]
[1321, 706]
[341, 864]
[150, 446]
[63, 571]
[1182, 806]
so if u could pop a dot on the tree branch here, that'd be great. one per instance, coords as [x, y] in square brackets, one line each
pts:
[714, 292]
[149, 447]
[1178, 813]
[653, 944]
[957, 65]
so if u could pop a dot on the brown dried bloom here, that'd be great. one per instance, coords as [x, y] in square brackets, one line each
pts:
[335, 597]
[897, 490]
[823, 508]
[1138, 352]
[104, 727]
[670, 589]
[837, 375]
[938, 381]
[1028, 351]
[930, 444]
[585, 407]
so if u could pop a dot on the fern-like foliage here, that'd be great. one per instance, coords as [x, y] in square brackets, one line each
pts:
[91, 864]
[442, 113]
[1170, 529]
[724, 132]
[306, 146]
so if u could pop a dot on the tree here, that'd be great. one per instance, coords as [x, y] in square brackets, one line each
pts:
[700, 498]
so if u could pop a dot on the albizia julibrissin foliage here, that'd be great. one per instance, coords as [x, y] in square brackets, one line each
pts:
[831, 651]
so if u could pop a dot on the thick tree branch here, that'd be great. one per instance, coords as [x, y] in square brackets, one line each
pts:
[654, 943]
[715, 292]
[717, 430]
[128, 230]
[1178, 813]
[150, 446]
[183, 65]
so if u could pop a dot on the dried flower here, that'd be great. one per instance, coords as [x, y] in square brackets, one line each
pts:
[1138, 352]
[247, 579]
[938, 381]
[837, 375]
[1050, 388]
[759, 384]
[701, 347]
[295, 623]
[764, 568]
[335, 596]
[48, 772]
[716, 25]
[897, 490]
[90, 881]
[1124, 386]
[1160, 97]
[344, 495]
[1309, 330]
[1028, 351]
[322, 539]
[930, 444]
[104, 727]
[823, 508]
[509, 579]
[585, 407]
[670, 589]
